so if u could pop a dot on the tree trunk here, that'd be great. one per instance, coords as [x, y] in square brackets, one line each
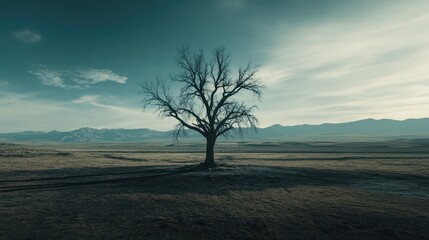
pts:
[209, 162]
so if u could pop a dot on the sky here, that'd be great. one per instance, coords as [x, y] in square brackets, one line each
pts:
[71, 64]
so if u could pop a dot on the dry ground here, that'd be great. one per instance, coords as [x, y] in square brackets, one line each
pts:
[154, 191]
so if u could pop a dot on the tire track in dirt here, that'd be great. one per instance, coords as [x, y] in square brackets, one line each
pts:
[49, 183]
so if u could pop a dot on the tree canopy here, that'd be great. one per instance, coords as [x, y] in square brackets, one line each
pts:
[206, 101]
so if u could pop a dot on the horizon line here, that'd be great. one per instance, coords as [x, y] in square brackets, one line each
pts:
[277, 124]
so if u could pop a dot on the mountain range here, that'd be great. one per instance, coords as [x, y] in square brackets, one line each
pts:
[362, 130]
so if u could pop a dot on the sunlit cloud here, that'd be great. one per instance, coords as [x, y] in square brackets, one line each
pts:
[271, 75]
[92, 76]
[86, 99]
[332, 72]
[27, 36]
[320, 62]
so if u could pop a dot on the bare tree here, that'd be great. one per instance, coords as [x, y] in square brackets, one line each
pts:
[205, 102]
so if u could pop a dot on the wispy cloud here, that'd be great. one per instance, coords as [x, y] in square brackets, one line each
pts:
[34, 112]
[27, 36]
[74, 79]
[49, 77]
[92, 76]
[95, 100]
[86, 99]
[124, 116]
[338, 71]
[18, 108]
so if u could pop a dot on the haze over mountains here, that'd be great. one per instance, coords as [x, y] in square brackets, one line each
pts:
[362, 130]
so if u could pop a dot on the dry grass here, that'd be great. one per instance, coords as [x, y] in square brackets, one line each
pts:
[75, 192]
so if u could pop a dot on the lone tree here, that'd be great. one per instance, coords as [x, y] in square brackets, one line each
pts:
[206, 100]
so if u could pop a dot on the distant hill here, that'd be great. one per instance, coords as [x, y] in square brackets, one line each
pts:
[362, 130]
[367, 129]
[89, 135]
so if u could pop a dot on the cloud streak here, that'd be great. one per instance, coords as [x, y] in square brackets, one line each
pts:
[94, 100]
[49, 77]
[93, 76]
[75, 79]
[87, 111]
[27, 36]
[335, 71]
[125, 116]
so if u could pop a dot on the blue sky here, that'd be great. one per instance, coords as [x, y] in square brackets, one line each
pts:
[70, 64]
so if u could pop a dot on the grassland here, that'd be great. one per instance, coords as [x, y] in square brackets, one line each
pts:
[263, 191]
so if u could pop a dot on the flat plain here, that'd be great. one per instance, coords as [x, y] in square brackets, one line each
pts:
[262, 190]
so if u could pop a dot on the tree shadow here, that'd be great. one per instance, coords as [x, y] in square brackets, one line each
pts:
[103, 176]
[192, 179]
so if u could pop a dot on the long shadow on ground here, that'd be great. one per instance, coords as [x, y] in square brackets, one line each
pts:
[227, 203]
[177, 180]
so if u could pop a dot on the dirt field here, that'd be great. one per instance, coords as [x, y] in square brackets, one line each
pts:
[267, 191]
